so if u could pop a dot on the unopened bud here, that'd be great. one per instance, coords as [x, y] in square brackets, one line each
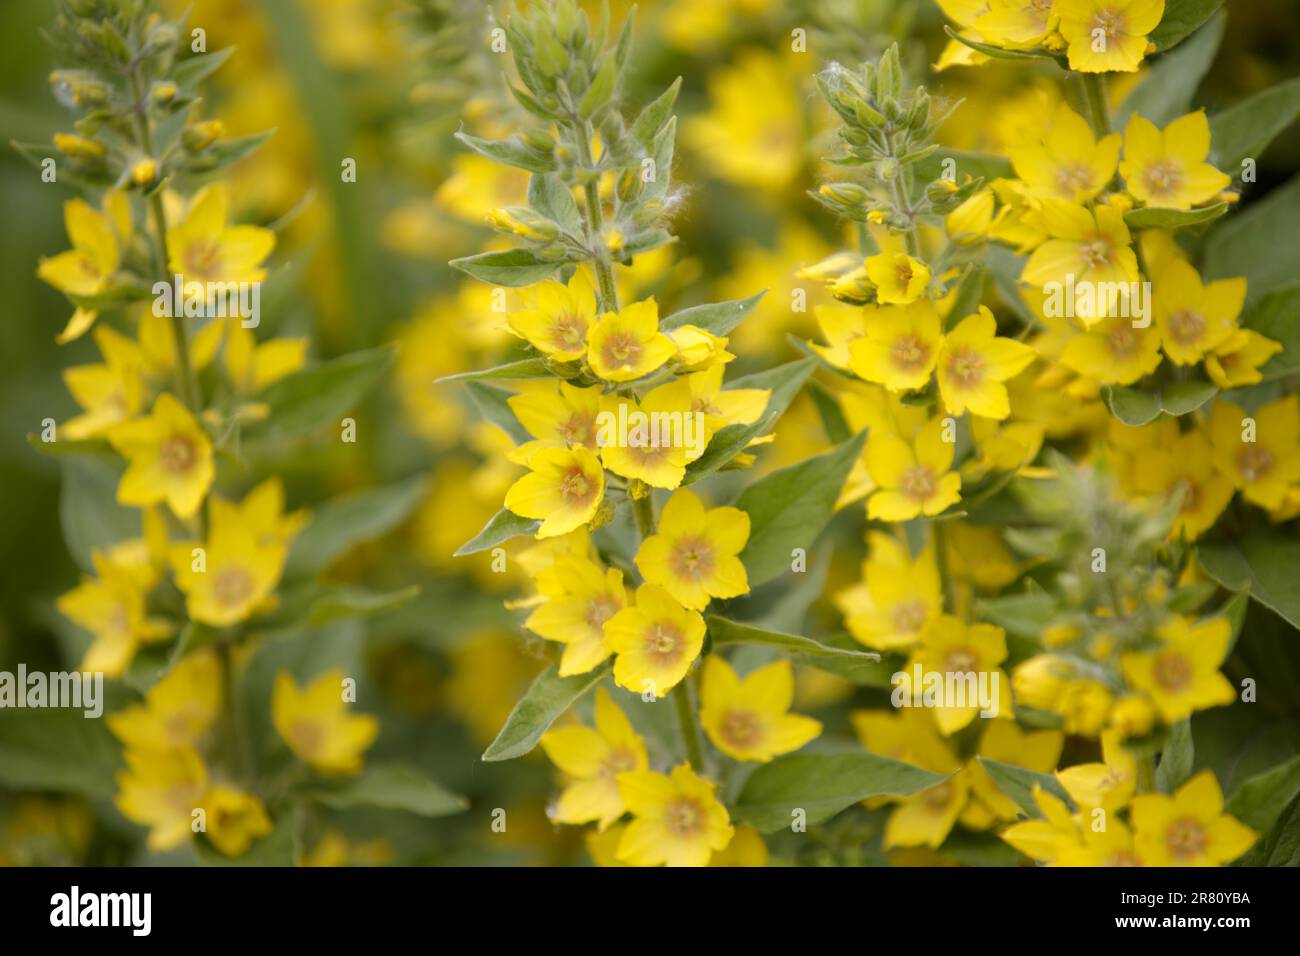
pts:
[200, 136]
[145, 172]
[78, 147]
[164, 92]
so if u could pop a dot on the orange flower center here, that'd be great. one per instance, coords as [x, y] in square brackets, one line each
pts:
[1073, 176]
[961, 660]
[741, 728]
[177, 454]
[1095, 252]
[599, 610]
[1109, 21]
[1186, 326]
[1173, 671]
[1121, 341]
[1164, 177]
[909, 615]
[1254, 462]
[692, 558]
[232, 586]
[622, 348]
[685, 817]
[918, 483]
[663, 641]
[569, 332]
[910, 353]
[966, 368]
[574, 486]
[1186, 838]
[938, 798]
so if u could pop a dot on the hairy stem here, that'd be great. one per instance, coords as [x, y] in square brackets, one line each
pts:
[1095, 94]
[939, 539]
[643, 509]
[595, 220]
[681, 695]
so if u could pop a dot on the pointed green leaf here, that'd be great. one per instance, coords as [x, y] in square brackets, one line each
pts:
[1263, 562]
[392, 787]
[549, 697]
[861, 667]
[1182, 18]
[319, 396]
[1245, 129]
[1018, 784]
[718, 318]
[514, 268]
[341, 523]
[1166, 90]
[503, 526]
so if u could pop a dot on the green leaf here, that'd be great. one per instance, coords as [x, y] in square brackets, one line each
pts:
[1153, 217]
[503, 526]
[652, 118]
[856, 665]
[719, 317]
[1259, 243]
[1245, 129]
[1166, 90]
[393, 787]
[821, 785]
[188, 73]
[1024, 615]
[1018, 784]
[1134, 406]
[553, 200]
[60, 749]
[342, 602]
[1000, 53]
[344, 522]
[549, 696]
[89, 513]
[513, 268]
[524, 368]
[834, 423]
[493, 404]
[789, 508]
[1182, 18]
[1260, 800]
[321, 395]
[785, 382]
[1176, 758]
[1281, 846]
[511, 152]
[1263, 562]
[1274, 317]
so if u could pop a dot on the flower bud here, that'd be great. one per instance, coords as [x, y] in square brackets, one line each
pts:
[200, 136]
[144, 172]
[164, 91]
[79, 147]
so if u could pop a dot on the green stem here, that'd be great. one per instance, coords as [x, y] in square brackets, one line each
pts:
[939, 539]
[595, 220]
[186, 384]
[1095, 94]
[643, 509]
[233, 733]
[681, 695]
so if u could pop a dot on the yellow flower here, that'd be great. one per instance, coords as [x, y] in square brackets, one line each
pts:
[1194, 318]
[253, 366]
[1068, 162]
[1092, 247]
[1259, 454]
[749, 719]
[693, 554]
[1111, 846]
[161, 789]
[1236, 360]
[1084, 706]
[233, 574]
[677, 819]
[204, 249]
[913, 478]
[897, 597]
[594, 759]
[972, 220]
[109, 393]
[1107, 35]
[745, 849]
[582, 596]
[157, 343]
[177, 710]
[112, 606]
[900, 347]
[899, 278]
[948, 646]
[1114, 352]
[627, 344]
[699, 349]
[1189, 828]
[234, 819]
[1186, 467]
[559, 317]
[169, 455]
[840, 325]
[1182, 674]
[724, 406]
[1168, 168]
[647, 451]
[315, 723]
[1015, 24]
[1108, 784]
[656, 641]
[563, 488]
[86, 268]
[973, 363]
[1052, 837]
[556, 418]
